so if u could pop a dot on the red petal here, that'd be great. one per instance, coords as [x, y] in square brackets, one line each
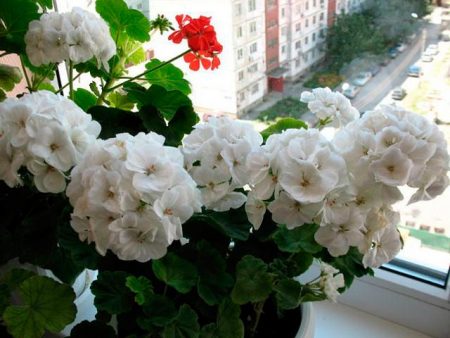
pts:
[206, 63]
[195, 64]
[176, 36]
[189, 57]
[215, 63]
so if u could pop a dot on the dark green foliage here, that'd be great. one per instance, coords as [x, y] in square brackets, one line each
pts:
[288, 107]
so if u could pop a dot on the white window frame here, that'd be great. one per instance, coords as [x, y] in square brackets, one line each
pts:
[251, 5]
[252, 27]
[240, 54]
[253, 48]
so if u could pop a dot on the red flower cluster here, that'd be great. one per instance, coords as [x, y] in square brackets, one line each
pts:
[202, 41]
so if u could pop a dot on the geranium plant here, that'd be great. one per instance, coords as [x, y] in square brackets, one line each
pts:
[196, 229]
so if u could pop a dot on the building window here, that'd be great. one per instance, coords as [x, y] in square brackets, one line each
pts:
[251, 5]
[314, 37]
[321, 17]
[253, 27]
[322, 33]
[314, 3]
[314, 20]
[306, 40]
[306, 23]
[283, 49]
[284, 31]
[273, 60]
[272, 42]
[255, 88]
[297, 45]
[283, 12]
[307, 5]
[240, 53]
[241, 96]
[253, 68]
[297, 27]
[305, 57]
[241, 75]
[298, 9]
[239, 32]
[238, 9]
[297, 63]
[253, 48]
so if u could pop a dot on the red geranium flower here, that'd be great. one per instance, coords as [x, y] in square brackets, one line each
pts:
[195, 59]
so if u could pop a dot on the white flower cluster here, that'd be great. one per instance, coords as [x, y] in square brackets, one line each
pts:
[77, 36]
[299, 168]
[130, 195]
[330, 281]
[348, 185]
[330, 106]
[216, 154]
[45, 132]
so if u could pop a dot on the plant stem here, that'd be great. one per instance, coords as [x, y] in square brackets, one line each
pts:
[105, 90]
[258, 310]
[65, 86]
[71, 80]
[35, 87]
[150, 70]
[24, 70]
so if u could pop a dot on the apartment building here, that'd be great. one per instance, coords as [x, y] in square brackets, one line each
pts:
[301, 35]
[141, 5]
[241, 81]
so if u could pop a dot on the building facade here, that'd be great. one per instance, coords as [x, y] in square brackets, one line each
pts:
[240, 82]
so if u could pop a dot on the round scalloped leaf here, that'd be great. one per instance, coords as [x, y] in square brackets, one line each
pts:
[46, 306]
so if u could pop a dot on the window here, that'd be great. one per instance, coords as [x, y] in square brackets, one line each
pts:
[297, 27]
[297, 63]
[314, 20]
[241, 96]
[240, 53]
[283, 49]
[252, 27]
[239, 32]
[253, 47]
[297, 45]
[322, 33]
[283, 12]
[321, 17]
[255, 88]
[241, 75]
[238, 9]
[273, 60]
[306, 23]
[305, 57]
[284, 31]
[298, 9]
[306, 40]
[314, 3]
[251, 5]
[314, 37]
[253, 68]
[307, 5]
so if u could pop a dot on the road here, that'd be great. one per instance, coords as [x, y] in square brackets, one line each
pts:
[395, 73]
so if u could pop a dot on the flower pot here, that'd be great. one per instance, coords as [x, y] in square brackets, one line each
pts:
[307, 323]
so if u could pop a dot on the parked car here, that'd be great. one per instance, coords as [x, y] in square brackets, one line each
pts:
[398, 93]
[373, 69]
[427, 57]
[400, 47]
[414, 71]
[362, 78]
[350, 90]
[393, 52]
[432, 49]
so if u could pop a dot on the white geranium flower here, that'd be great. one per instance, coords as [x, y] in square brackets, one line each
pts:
[330, 281]
[46, 177]
[286, 210]
[385, 245]
[232, 200]
[255, 210]
[393, 168]
[212, 184]
[15, 119]
[338, 238]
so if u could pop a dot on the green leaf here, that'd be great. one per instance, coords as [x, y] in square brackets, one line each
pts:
[283, 124]
[124, 20]
[168, 76]
[350, 265]
[208, 331]
[214, 282]
[229, 323]
[253, 282]
[293, 266]
[175, 272]
[5, 295]
[45, 3]
[2, 95]
[84, 99]
[15, 277]
[120, 101]
[111, 293]
[159, 311]
[300, 239]
[185, 324]
[95, 329]
[141, 286]
[233, 223]
[115, 120]
[46, 86]
[137, 56]
[288, 293]
[15, 17]
[92, 68]
[47, 305]
[9, 77]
